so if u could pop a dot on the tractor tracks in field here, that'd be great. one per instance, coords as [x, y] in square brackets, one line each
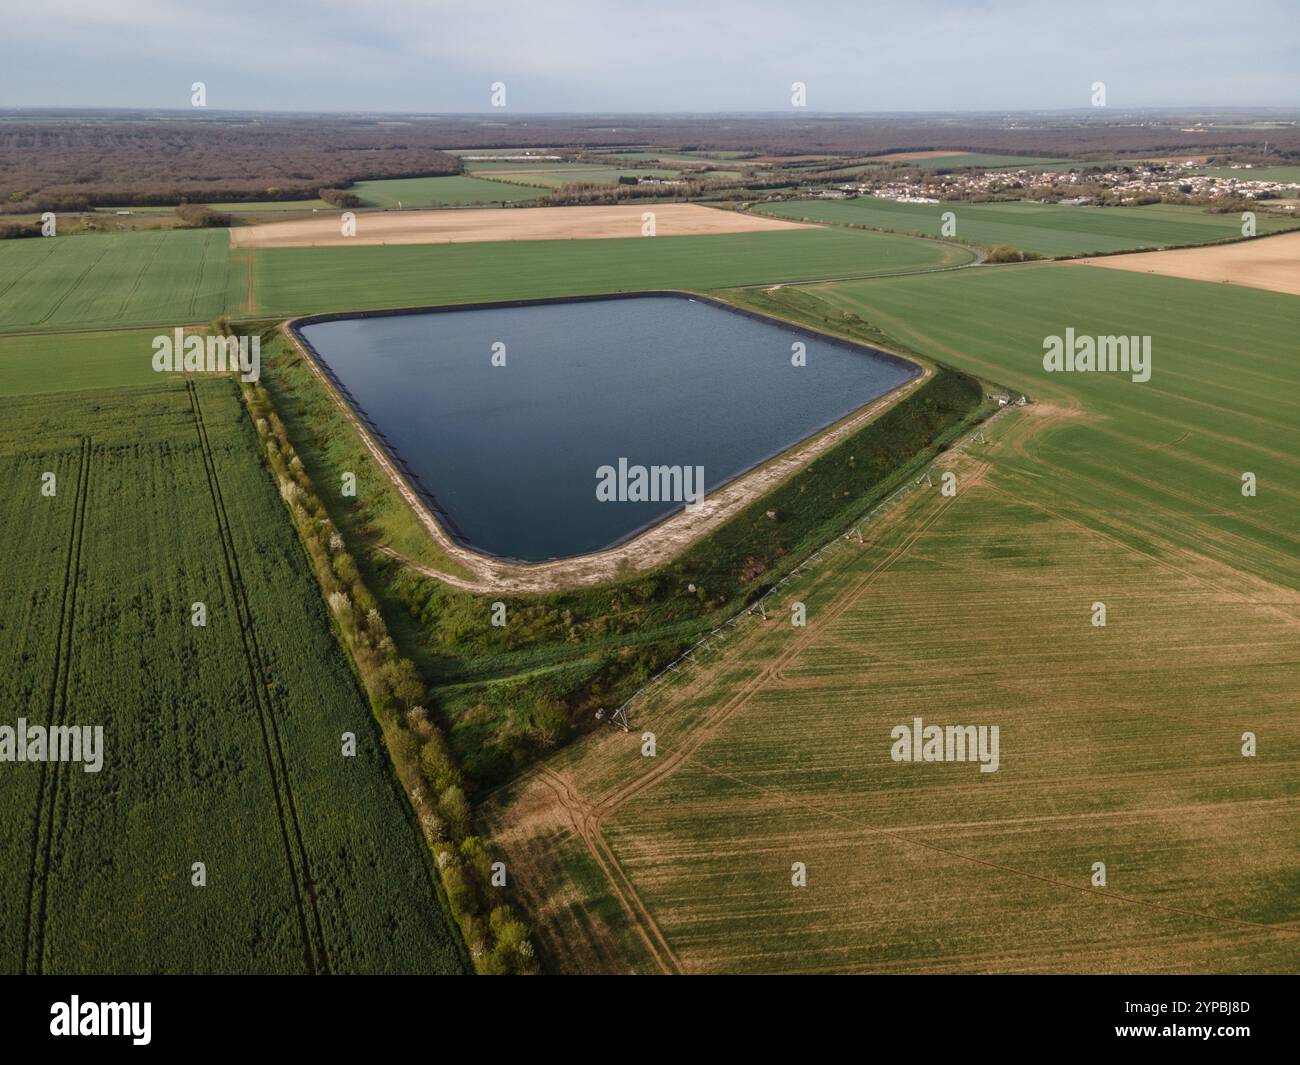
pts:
[38, 876]
[586, 817]
[586, 823]
[315, 950]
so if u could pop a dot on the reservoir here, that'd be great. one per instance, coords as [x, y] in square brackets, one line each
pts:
[504, 415]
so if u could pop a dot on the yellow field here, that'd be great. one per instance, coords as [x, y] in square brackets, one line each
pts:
[517, 223]
[1272, 263]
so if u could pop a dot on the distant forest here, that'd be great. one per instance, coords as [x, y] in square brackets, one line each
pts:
[64, 165]
[69, 160]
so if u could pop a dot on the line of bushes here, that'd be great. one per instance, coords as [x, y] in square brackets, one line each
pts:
[498, 942]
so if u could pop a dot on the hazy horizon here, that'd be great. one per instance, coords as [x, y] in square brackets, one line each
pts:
[617, 57]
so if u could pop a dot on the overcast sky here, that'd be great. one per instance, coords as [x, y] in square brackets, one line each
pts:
[649, 55]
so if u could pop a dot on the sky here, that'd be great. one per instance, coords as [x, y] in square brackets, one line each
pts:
[649, 55]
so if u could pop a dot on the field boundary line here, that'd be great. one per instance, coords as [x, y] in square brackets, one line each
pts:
[34, 933]
[300, 879]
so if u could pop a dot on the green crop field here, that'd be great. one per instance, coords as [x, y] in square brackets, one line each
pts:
[440, 191]
[1119, 744]
[221, 743]
[515, 166]
[113, 279]
[290, 281]
[1046, 229]
[65, 362]
[575, 175]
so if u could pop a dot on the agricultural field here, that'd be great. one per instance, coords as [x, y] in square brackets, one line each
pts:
[1268, 264]
[113, 279]
[674, 157]
[439, 192]
[233, 759]
[592, 222]
[67, 362]
[1119, 744]
[287, 281]
[547, 178]
[1045, 229]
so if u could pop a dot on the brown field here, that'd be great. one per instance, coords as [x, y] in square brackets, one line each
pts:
[775, 750]
[1269, 262]
[522, 223]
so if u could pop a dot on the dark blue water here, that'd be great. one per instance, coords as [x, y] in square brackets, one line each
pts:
[510, 454]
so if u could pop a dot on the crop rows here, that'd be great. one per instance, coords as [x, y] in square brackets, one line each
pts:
[180, 511]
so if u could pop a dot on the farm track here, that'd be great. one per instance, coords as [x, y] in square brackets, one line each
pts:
[272, 743]
[42, 841]
[585, 820]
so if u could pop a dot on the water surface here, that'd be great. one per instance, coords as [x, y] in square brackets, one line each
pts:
[510, 453]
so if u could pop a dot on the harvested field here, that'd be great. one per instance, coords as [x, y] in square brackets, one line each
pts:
[524, 223]
[1273, 264]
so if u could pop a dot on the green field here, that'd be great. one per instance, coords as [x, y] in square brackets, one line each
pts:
[66, 362]
[302, 280]
[513, 166]
[1046, 229]
[674, 157]
[439, 191]
[1119, 744]
[113, 279]
[544, 177]
[221, 742]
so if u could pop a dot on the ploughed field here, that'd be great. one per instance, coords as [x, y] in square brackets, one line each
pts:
[221, 744]
[508, 415]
